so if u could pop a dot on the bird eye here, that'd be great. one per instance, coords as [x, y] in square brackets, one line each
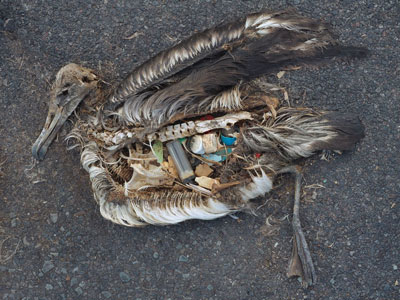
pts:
[61, 96]
[63, 93]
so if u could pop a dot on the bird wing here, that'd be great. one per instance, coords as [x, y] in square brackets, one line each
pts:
[209, 43]
[203, 73]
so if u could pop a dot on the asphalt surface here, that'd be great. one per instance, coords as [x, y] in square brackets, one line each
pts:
[54, 243]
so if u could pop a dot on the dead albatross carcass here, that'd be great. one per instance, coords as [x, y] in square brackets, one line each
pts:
[196, 132]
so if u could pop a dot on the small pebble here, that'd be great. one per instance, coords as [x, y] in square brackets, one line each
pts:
[155, 255]
[53, 217]
[314, 195]
[48, 287]
[209, 287]
[73, 281]
[186, 275]
[25, 241]
[299, 279]
[47, 266]
[14, 223]
[79, 290]
[395, 267]
[183, 258]
[124, 277]
[106, 294]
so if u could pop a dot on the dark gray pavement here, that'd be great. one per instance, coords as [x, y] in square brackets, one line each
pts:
[54, 243]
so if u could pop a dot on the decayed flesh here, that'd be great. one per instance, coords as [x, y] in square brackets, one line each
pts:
[73, 84]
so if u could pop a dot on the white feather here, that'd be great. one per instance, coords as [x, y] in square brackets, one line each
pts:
[259, 187]
[172, 214]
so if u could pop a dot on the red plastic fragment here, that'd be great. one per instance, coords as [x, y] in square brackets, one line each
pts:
[207, 117]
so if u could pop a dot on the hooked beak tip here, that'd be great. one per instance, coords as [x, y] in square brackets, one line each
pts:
[38, 152]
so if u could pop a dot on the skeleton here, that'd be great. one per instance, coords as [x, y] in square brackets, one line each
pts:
[217, 73]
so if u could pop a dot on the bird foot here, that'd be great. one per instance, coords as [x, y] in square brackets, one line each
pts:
[301, 264]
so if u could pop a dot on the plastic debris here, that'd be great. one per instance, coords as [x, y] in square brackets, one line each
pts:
[196, 145]
[218, 156]
[210, 142]
[207, 117]
[207, 182]
[205, 143]
[158, 151]
[182, 140]
[203, 170]
[181, 161]
[227, 140]
[213, 157]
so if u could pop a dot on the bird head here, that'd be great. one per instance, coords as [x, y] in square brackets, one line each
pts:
[72, 85]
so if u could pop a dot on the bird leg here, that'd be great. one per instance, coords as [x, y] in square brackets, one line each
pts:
[301, 262]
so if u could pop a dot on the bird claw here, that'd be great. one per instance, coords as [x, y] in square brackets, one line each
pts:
[301, 264]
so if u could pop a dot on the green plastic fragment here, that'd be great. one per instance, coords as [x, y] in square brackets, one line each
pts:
[158, 151]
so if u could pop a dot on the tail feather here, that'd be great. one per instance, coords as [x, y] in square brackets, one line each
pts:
[348, 128]
[297, 133]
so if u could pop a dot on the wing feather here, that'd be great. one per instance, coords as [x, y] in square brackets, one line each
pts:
[188, 78]
[221, 38]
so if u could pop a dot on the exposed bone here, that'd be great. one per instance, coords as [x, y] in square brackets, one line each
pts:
[191, 128]
[144, 178]
[138, 156]
[177, 131]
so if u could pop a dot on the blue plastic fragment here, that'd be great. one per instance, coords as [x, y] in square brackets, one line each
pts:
[219, 155]
[227, 140]
[214, 157]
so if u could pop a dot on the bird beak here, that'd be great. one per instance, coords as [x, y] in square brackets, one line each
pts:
[73, 84]
[56, 117]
